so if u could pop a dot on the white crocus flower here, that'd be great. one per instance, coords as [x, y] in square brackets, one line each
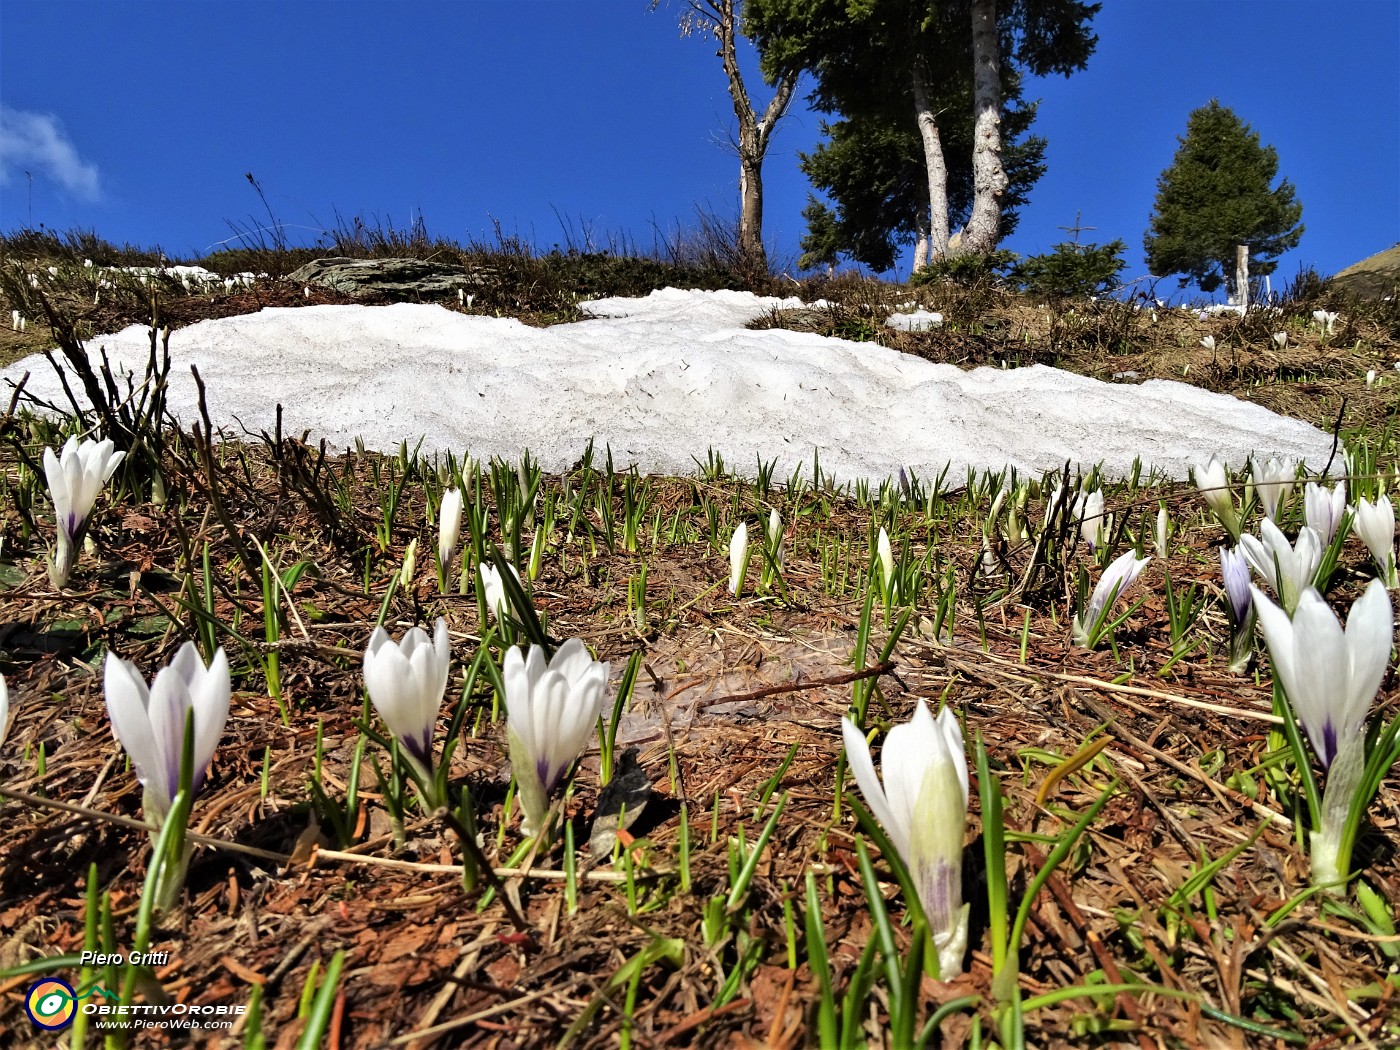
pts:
[1213, 485]
[1287, 568]
[1162, 533]
[1280, 339]
[1325, 320]
[406, 681]
[1088, 625]
[4, 709]
[1324, 509]
[1273, 482]
[75, 478]
[1375, 524]
[449, 526]
[738, 556]
[552, 710]
[922, 805]
[1330, 677]
[1209, 343]
[150, 723]
[1093, 523]
[886, 556]
[497, 600]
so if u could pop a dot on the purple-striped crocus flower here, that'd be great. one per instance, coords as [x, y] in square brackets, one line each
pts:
[922, 805]
[75, 477]
[551, 710]
[150, 723]
[406, 681]
[1234, 571]
[1325, 509]
[1330, 677]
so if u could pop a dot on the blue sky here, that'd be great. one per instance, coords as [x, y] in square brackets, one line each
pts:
[139, 119]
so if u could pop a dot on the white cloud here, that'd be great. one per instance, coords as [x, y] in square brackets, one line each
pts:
[36, 142]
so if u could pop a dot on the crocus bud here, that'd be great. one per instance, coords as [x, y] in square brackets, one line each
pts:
[886, 556]
[1324, 509]
[1273, 482]
[449, 526]
[496, 599]
[150, 723]
[1161, 534]
[1375, 524]
[1289, 568]
[1213, 485]
[738, 555]
[1330, 678]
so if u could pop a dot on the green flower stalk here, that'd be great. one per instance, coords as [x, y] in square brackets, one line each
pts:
[1375, 524]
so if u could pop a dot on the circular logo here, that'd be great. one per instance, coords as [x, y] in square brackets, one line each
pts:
[51, 1003]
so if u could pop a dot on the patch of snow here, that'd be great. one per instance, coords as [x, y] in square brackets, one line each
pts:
[916, 321]
[663, 379]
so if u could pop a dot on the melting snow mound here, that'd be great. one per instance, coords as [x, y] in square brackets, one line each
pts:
[664, 378]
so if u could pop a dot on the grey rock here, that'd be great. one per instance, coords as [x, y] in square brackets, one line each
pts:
[398, 279]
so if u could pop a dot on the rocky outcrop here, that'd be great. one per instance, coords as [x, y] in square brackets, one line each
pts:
[402, 280]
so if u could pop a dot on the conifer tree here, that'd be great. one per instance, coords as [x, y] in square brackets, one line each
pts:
[1219, 194]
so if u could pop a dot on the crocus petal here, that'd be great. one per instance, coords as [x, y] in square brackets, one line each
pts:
[1369, 633]
[1319, 673]
[956, 748]
[909, 748]
[127, 699]
[4, 708]
[1234, 571]
[211, 703]
[863, 769]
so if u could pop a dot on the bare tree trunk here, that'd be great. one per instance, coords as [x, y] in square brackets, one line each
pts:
[754, 131]
[937, 169]
[1242, 277]
[988, 176]
[921, 240]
